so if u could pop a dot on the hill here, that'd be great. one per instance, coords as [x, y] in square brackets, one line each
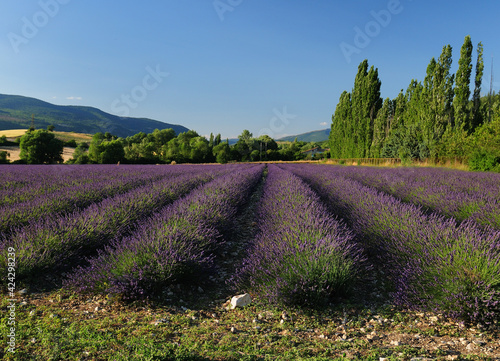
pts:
[16, 112]
[315, 136]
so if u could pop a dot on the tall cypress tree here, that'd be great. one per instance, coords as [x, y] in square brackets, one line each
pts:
[476, 117]
[358, 99]
[428, 106]
[341, 134]
[374, 103]
[462, 87]
[439, 95]
[381, 127]
[399, 108]
[444, 90]
[366, 102]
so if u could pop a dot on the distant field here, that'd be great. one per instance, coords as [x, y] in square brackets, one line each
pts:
[13, 133]
[14, 152]
[79, 137]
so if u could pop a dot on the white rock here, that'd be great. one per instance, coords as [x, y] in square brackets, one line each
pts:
[240, 301]
[479, 342]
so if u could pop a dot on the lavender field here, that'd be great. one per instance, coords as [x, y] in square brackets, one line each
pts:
[320, 234]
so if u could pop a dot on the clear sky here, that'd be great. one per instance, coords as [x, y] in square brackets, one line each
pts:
[269, 66]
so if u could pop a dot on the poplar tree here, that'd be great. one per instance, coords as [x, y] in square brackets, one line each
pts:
[476, 118]
[438, 100]
[341, 134]
[462, 87]
[428, 106]
[358, 100]
[374, 103]
[443, 91]
[366, 102]
[381, 127]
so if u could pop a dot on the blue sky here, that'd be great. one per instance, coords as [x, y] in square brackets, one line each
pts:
[269, 66]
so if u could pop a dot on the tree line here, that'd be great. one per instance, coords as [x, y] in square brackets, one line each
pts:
[161, 146]
[165, 147]
[434, 119]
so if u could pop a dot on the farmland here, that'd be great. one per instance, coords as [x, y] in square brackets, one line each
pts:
[136, 262]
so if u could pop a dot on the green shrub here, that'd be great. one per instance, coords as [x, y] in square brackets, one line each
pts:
[4, 157]
[484, 161]
[71, 143]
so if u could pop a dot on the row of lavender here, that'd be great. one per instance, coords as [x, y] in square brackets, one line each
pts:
[54, 241]
[435, 263]
[181, 240]
[76, 188]
[301, 254]
[457, 194]
[21, 183]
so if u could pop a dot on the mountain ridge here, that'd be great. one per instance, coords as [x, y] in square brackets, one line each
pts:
[16, 112]
[317, 136]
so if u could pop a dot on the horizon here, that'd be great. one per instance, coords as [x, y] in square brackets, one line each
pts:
[272, 68]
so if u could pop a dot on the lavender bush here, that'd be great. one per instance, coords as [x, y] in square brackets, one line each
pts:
[458, 194]
[92, 184]
[434, 262]
[177, 242]
[301, 256]
[54, 241]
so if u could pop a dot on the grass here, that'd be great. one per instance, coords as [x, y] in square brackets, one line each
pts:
[78, 137]
[65, 326]
[449, 163]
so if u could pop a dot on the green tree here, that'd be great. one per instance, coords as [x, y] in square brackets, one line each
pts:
[50, 128]
[476, 118]
[162, 137]
[200, 150]
[41, 146]
[80, 155]
[443, 95]
[104, 149]
[217, 140]
[244, 146]
[462, 87]
[341, 138]
[437, 101]
[366, 102]
[113, 152]
[381, 127]
[267, 146]
[222, 153]
[4, 157]
[486, 146]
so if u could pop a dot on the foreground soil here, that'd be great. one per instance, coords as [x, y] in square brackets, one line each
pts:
[58, 326]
